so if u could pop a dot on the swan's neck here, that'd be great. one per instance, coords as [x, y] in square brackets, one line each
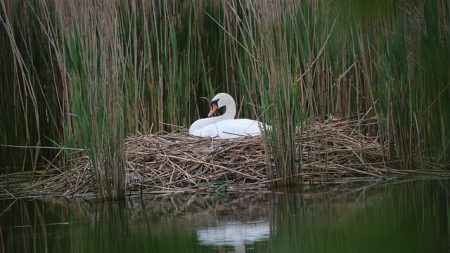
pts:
[230, 112]
[230, 108]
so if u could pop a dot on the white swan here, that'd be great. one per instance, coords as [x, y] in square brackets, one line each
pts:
[224, 126]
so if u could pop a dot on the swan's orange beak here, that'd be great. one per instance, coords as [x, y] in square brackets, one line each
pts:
[212, 110]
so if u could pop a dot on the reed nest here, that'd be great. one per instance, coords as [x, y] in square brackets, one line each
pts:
[330, 151]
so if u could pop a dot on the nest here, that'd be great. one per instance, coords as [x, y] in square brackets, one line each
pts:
[329, 152]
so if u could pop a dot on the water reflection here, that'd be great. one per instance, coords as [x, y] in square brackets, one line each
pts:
[236, 234]
[410, 217]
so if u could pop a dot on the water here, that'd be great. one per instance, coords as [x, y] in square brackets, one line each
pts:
[404, 217]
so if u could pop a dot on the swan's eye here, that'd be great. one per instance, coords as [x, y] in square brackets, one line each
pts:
[215, 102]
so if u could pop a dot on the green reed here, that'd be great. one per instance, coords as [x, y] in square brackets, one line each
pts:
[85, 77]
[29, 105]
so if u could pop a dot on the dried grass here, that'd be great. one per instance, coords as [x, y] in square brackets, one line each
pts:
[333, 151]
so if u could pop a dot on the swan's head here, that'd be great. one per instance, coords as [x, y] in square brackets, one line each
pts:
[220, 100]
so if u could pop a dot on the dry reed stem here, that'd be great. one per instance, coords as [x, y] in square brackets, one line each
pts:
[333, 151]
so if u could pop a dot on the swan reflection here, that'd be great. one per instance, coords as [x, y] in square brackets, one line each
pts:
[234, 233]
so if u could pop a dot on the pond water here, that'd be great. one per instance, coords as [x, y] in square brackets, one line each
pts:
[400, 217]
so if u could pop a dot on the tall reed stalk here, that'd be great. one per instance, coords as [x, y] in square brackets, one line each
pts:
[86, 75]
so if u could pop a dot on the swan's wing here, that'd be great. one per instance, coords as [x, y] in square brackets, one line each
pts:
[229, 129]
[206, 131]
[237, 128]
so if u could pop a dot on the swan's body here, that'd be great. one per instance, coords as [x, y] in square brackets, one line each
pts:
[229, 128]
[225, 126]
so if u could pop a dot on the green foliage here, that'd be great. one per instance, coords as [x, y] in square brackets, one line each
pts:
[85, 76]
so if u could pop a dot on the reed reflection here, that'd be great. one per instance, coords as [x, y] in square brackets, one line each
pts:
[372, 218]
